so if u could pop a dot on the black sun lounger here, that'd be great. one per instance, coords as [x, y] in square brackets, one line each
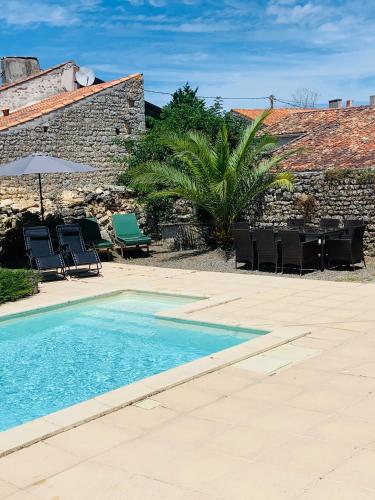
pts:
[40, 251]
[74, 249]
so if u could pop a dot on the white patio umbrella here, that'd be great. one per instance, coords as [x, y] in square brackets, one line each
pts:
[39, 163]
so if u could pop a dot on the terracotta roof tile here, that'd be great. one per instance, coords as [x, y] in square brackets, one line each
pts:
[330, 138]
[276, 115]
[55, 102]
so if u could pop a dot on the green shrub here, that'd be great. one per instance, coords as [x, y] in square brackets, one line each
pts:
[366, 177]
[336, 174]
[17, 283]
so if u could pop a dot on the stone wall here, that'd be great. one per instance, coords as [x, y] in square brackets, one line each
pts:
[352, 196]
[82, 202]
[39, 87]
[84, 132]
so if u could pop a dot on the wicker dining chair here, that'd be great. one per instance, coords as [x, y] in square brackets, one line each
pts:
[266, 245]
[347, 250]
[328, 223]
[243, 247]
[296, 223]
[297, 253]
[350, 224]
[354, 222]
[241, 225]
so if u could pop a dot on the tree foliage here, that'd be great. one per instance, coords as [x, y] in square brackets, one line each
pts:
[185, 112]
[217, 177]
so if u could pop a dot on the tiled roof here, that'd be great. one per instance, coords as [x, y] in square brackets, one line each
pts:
[276, 115]
[35, 75]
[330, 138]
[57, 102]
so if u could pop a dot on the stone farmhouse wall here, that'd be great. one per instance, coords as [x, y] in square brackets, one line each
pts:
[84, 132]
[38, 87]
[352, 196]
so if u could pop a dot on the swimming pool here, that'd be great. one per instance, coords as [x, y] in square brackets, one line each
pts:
[52, 359]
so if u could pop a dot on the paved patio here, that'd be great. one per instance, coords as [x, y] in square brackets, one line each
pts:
[297, 422]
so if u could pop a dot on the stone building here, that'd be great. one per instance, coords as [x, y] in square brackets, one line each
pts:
[25, 84]
[48, 112]
[333, 163]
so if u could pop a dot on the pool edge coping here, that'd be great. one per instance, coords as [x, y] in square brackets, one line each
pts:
[42, 428]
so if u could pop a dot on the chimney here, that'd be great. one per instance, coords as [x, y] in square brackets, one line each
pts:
[335, 103]
[5, 111]
[349, 103]
[18, 68]
[372, 100]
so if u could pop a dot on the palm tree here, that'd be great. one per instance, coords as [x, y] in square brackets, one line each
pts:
[216, 178]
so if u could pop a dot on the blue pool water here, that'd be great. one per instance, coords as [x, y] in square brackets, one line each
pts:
[51, 360]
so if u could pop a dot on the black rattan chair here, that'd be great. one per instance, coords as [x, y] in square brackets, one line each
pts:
[327, 223]
[243, 247]
[347, 250]
[74, 249]
[40, 251]
[266, 247]
[241, 225]
[297, 223]
[350, 224]
[353, 222]
[297, 253]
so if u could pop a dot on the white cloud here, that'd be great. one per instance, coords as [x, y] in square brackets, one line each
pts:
[333, 75]
[203, 26]
[288, 12]
[157, 3]
[227, 47]
[36, 12]
[153, 3]
[185, 58]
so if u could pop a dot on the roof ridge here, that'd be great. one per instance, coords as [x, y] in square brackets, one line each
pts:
[276, 115]
[58, 101]
[273, 109]
[34, 75]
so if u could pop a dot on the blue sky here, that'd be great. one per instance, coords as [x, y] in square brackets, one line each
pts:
[226, 47]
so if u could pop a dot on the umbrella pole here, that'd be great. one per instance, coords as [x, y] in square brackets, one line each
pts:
[41, 197]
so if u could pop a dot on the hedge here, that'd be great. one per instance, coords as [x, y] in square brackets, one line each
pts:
[17, 283]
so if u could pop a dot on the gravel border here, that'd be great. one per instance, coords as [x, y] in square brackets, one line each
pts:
[220, 261]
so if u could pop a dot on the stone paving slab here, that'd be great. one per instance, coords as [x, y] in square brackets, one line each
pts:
[302, 428]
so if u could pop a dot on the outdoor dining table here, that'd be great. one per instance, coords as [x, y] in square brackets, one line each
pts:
[311, 233]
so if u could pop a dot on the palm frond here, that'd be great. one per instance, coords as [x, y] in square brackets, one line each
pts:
[222, 149]
[148, 176]
[194, 151]
[247, 141]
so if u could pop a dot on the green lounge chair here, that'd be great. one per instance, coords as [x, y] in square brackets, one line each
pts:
[127, 232]
[91, 234]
